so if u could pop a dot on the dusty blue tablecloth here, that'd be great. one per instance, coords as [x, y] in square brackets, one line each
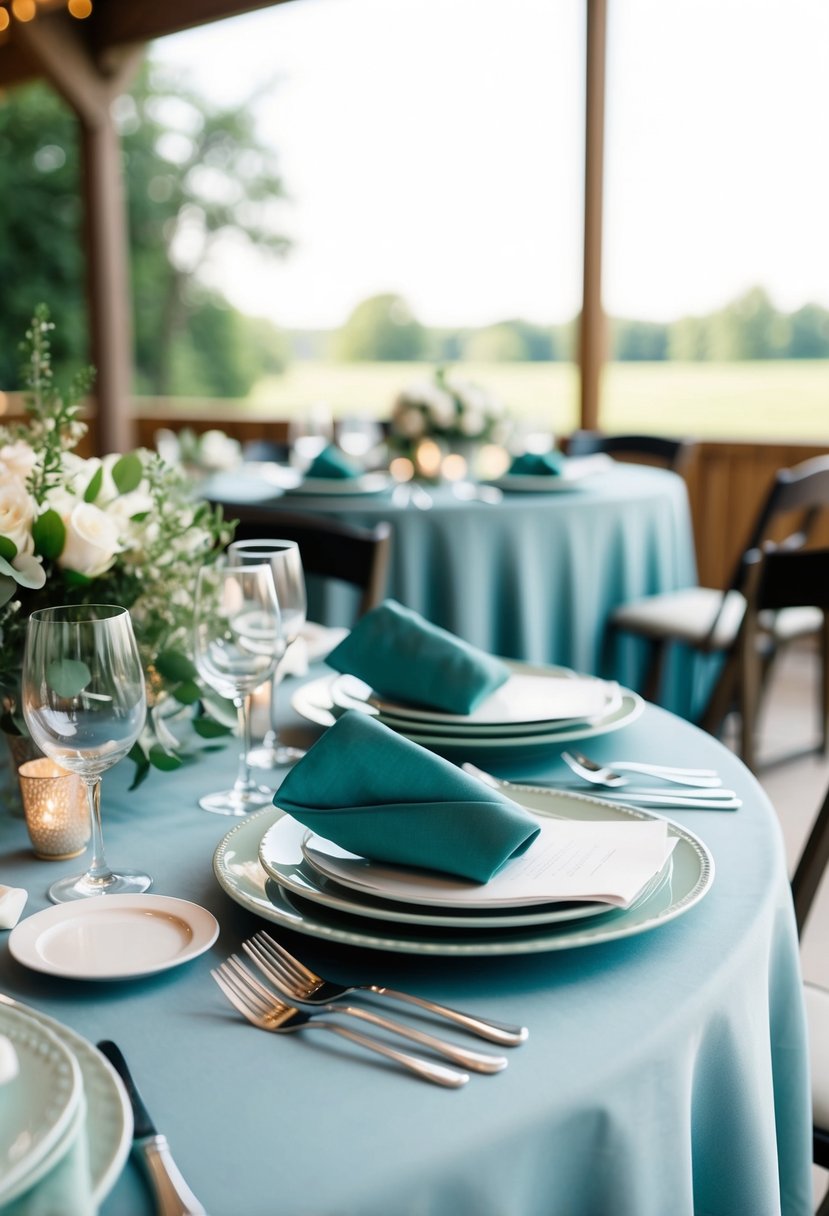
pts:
[533, 577]
[663, 1074]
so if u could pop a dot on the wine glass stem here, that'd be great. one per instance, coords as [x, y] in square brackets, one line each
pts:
[99, 871]
[276, 680]
[243, 779]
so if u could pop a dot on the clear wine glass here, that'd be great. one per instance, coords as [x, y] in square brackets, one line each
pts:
[238, 643]
[289, 580]
[309, 434]
[85, 704]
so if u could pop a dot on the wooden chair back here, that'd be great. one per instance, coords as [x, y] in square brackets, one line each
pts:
[330, 549]
[672, 454]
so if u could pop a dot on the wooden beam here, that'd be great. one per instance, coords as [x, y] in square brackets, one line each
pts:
[64, 58]
[114, 22]
[592, 337]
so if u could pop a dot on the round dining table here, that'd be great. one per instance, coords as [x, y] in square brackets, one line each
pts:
[663, 1073]
[533, 575]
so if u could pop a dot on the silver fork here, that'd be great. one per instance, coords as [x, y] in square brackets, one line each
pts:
[316, 990]
[273, 1015]
[477, 1061]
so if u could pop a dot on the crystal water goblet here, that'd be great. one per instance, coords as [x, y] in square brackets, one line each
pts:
[289, 580]
[85, 704]
[238, 642]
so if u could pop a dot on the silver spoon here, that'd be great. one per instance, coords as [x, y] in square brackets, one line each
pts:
[607, 774]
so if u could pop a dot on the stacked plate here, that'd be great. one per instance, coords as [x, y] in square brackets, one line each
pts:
[273, 866]
[342, 487]
[65, 1119]
[536, 707]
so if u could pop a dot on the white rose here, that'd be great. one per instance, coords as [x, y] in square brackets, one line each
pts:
[441, 408]
[17, 459]
[219, 451]
[91, 541]
[472, 424]
[17, 512]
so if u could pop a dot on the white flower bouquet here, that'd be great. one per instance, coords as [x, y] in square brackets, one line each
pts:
[446, 407]
[123, 530]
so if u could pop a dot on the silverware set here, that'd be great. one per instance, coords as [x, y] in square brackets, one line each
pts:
[677, 788]
[281, 995]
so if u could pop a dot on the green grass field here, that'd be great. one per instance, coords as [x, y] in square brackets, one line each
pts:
[763, 400]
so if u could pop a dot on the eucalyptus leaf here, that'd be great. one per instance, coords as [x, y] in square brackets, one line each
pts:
[127, 473]
[175, 666]
[27, 573]
[208, 728]
[68, 677]
[49, 534]
[74, 579]
[7, 589]
[94, 488]
[163, 760]
[187, 693]
[220, 708]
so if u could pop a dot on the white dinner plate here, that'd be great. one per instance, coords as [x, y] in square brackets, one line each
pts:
[38, 1106]
[109, 1122]
[531, 696]
[113, 937]
[238, 872]
[342, 487]
[314, 702]
[283, 855]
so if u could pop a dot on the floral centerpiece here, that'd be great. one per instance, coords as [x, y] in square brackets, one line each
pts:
[448, 409]
[125, 530]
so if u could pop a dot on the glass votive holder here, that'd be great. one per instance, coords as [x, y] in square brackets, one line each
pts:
[55, 808]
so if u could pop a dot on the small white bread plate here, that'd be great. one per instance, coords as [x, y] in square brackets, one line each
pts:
[113, 937]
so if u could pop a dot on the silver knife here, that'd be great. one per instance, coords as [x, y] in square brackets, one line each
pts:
[172, 1194]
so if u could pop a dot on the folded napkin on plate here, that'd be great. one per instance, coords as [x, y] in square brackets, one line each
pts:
[381, 796]
[538, 464]
[331, 462]
[404, 656]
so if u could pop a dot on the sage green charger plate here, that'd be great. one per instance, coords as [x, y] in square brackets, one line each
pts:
[239, 872]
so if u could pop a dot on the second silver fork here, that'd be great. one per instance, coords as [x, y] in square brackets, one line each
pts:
[476, 1061]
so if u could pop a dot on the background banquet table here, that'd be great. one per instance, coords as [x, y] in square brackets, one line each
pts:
[663, 1073]
[532, 577]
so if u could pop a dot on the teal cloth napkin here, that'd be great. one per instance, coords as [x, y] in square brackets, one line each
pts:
[381, 796]
[403, 656]
[331, 462]
[538, 464]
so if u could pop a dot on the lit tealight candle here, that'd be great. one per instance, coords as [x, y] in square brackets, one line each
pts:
[401, 469]
[55, 808]
[427, 458]
[453, 467]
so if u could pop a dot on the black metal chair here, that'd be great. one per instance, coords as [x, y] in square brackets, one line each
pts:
[671, 454]
[805, 884]
[709, 619]
[330, 549]
[776, 581]
[266, 450]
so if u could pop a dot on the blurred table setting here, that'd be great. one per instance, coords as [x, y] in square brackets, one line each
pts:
[531, 576]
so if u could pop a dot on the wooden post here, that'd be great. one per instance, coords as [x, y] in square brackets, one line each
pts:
[592, 334]
[70, 68]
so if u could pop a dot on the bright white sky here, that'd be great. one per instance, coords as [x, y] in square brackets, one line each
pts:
[434, 148]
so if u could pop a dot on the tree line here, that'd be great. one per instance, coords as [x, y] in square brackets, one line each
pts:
[197, 178]
[383, 328]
